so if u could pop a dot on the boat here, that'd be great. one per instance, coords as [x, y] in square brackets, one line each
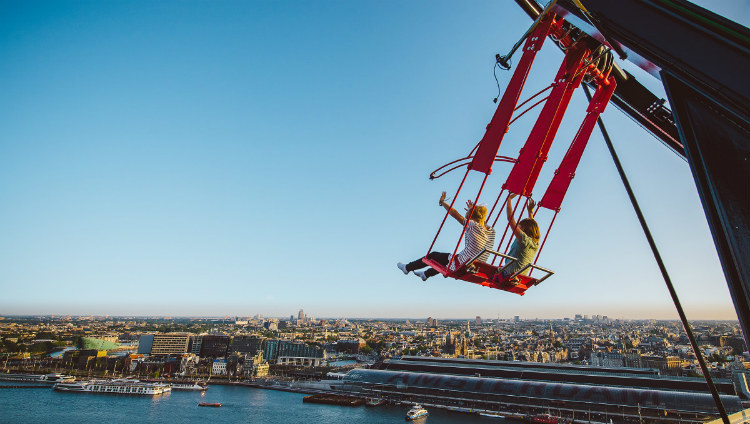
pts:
[331, 399]
[214, 405]
[121, 386]
[194, 386]
[545, 419]
[39, 378]
[491, 415]
[59, 378]
[374, 401]
[416, 411]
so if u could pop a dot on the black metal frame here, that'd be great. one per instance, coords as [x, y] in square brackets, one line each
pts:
[702, 59]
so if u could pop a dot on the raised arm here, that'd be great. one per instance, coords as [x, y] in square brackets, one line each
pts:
[454, 213]
[511, 219]
[530, 207]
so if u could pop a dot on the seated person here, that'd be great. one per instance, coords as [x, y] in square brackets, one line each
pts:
[478, 236]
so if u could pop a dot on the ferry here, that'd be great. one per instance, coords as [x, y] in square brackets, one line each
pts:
[416, 411]
[124, 386]
[39, 378]
[197, 386]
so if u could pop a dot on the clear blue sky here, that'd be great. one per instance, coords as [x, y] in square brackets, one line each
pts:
[245, 157]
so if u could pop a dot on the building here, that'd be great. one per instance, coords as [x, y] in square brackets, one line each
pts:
[251, 345]
[350, 346]
[597, 393]
[97, 343]
[170, 344]
[219, 367]
[291, 353]
[665, 364]
[455, 345]
[255, 366]
[145, 344]
[82, 359]
[195, 344]
[215, 346]
[300, 361]
[606, 359]
[271, 324]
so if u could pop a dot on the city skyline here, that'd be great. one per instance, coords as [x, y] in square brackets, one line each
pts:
[165, 158]
[260, 317]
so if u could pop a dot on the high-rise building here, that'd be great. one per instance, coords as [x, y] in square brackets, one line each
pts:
[215, 346]
[247, 345]
[145, 343]
[195, 344]
[275, 349]
[169, 344]
[478, 320]
[301, 315]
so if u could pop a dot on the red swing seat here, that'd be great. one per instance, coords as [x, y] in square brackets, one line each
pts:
[478, 272]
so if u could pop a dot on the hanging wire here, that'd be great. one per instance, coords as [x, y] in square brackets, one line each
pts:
[494, 73]
[663, 269]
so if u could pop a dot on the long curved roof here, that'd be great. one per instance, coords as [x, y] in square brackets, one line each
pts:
[561, 374]
[612, 395]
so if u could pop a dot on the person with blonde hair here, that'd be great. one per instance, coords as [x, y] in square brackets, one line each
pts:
[525, 245]
[478, 236]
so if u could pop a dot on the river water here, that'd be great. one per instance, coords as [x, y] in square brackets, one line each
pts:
[240, 405]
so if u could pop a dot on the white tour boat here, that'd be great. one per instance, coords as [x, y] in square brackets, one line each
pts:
[124, 386]
[38, 378]
[193, 386]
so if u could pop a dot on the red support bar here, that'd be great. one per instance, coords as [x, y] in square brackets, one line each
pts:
[539, 252]
[494, 205]
[525, 172]
[498, 126]
[564, 175]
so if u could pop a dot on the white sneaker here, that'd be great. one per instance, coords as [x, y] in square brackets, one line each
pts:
[402, 267]
[421, 275]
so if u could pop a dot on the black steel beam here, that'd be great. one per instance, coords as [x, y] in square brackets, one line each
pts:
[703, 61]
[632, 98]
[706, 50]
[717, 143]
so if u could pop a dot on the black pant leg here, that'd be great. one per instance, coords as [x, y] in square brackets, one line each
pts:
[439, 257]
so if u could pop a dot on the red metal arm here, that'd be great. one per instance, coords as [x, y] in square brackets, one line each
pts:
[525, 172]
[498, 126]
[564, 175]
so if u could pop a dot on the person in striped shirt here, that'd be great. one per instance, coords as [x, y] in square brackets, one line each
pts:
[478, 236]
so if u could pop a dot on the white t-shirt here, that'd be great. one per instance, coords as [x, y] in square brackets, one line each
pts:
[476, 238]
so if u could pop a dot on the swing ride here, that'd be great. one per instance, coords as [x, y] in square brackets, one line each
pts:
[700, 57]
[702, 60]
[582, 60]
